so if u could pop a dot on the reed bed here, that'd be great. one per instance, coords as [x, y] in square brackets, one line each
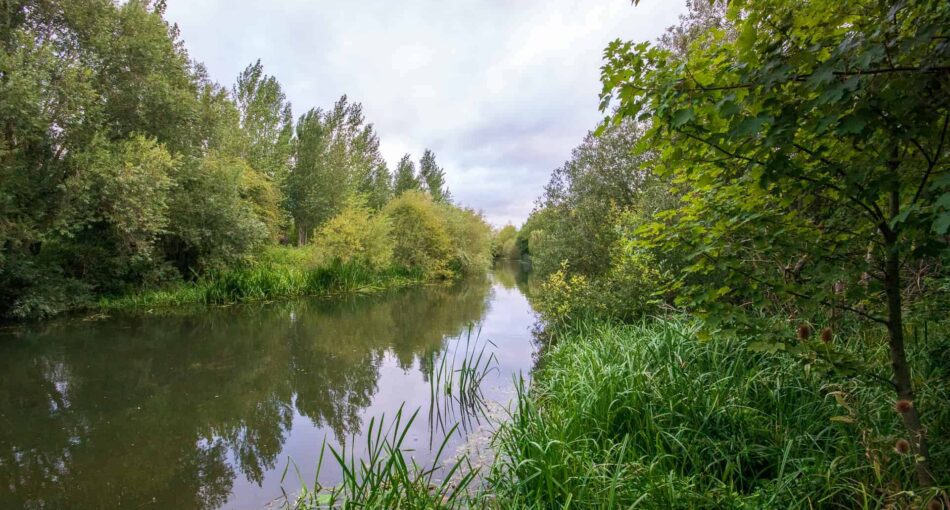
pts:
[268, 282]
[648, 416]
[386, 477]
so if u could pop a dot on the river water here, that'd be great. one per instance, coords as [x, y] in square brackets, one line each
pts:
[204, 408]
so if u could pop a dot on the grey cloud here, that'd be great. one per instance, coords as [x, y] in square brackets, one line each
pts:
[501, 90]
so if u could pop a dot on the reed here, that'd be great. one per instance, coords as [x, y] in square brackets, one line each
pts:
[386, 477]
[455, 379]
[648, 416]
[267, 282]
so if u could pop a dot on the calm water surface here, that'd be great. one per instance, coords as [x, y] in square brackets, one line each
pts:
[203, 409]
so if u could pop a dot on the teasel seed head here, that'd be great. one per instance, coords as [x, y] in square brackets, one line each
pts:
[903, 405]
[804, 331]
[902, 446]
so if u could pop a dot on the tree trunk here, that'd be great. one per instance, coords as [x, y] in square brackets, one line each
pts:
[895, 329]
[302, 235]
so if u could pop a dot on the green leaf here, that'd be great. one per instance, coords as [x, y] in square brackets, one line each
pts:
[851, 125]
[942, 224]
[842, 419]
[682, 117]
[751, 125]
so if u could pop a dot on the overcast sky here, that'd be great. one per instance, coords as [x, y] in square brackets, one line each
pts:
[501, 90]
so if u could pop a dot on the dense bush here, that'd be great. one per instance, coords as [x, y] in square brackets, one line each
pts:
[505, 243]
[419, 234]
[356, 235]
[469, 239]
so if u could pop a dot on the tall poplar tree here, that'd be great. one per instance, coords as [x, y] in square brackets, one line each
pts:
[432, 177]
[266, 122]
[405, 178]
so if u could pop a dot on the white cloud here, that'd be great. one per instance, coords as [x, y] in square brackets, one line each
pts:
[501, 90]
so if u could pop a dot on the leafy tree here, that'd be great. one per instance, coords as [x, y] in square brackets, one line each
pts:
[405, 178]
[266, 122]
[218, 214]
[432, 177]
[810, 139]
[419, 234]
[586, 197]
[336, 155]
[504, 242]
[378, 187]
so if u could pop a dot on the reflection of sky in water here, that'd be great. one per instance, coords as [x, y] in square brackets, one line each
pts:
[190, 410]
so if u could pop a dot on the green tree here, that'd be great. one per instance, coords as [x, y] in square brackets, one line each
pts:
[266, 122]
[405, 178]
[420, 239]
[336, 155]
[432, 177]
[810, 138]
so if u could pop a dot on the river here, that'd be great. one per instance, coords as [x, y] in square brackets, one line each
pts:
[204, 408]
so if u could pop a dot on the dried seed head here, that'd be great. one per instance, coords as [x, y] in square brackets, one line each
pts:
[903, 405]
[826, 335]
[804, 331]
[902, 446]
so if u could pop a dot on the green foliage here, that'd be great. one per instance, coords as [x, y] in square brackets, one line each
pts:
[505, 243]
[279, 274]
[211, 225]
[419, 233]
[405, 178]
[432, 177]
[266, 122]
[337, 155]
[469, 239]
[809, 138]
[649, 416]
[118, 209]
[629, 290]
[356, 235]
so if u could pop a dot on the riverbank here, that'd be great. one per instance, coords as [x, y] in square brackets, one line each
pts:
[280, 273]
[649, 415]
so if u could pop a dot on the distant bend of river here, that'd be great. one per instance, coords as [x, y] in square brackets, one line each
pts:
[202, 408]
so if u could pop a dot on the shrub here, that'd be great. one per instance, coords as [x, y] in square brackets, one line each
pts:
[504, 243]
[357, 235]
[628, 291]
[211, 224]
[470, 239]
[420, 239]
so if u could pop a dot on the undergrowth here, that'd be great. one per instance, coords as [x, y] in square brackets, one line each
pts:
[269, 280]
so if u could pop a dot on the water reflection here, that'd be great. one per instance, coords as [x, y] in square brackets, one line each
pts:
[200, 410]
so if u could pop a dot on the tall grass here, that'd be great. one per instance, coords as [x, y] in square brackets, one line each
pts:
[649, 417]
[385, 478]
[269, 281]
[455, 379]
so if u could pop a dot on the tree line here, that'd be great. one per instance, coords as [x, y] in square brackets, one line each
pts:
[123, 165]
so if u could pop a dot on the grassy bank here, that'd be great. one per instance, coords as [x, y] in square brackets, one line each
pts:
[279, 273]
[648, 416]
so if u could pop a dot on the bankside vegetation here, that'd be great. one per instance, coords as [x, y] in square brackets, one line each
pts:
[779, 171]
[745, 287]
[124, 169]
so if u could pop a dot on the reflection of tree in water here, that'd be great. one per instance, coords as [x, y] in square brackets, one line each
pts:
[135, 413]
[337, 348]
